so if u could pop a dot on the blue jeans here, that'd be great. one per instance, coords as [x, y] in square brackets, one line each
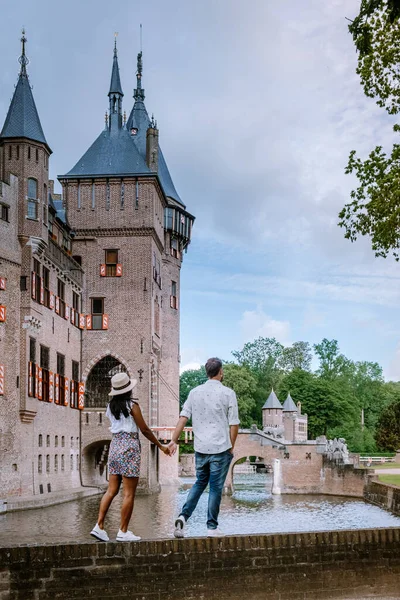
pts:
[210, 469]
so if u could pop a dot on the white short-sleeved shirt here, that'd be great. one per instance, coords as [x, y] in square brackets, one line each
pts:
[123, 423]
[213, 408]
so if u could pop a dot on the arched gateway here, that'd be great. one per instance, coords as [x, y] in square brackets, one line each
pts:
[95, 434]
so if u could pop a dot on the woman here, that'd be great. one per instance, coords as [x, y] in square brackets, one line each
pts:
[124, 455]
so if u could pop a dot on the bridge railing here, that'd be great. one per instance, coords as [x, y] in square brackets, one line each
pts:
[376, 459]
[164, 434]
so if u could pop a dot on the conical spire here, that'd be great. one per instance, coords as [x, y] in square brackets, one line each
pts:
[272, 401]
[115, 94]
[115, 84]
[289, 405]
[22, 119]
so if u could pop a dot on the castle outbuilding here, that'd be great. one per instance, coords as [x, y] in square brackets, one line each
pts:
[89, 286]
[286, 422]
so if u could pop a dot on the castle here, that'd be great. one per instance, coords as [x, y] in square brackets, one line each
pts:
[89, 286]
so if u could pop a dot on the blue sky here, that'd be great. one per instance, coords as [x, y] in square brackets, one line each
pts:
[258, 107]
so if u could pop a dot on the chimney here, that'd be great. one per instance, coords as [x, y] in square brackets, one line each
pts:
[51, 186]
[152, 147]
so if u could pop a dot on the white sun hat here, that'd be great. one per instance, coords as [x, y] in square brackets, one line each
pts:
[120, 384]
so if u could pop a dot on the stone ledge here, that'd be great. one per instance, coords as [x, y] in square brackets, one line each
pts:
[50, 499]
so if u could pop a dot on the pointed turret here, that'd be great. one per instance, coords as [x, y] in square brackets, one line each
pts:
[22, 119]
[115, 94]
[272, 402]
[289, 405]
[138, 123]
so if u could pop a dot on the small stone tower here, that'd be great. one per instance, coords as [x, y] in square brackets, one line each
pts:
[272, 413]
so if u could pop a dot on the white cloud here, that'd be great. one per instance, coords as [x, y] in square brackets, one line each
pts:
[193, 366]
[255, 323]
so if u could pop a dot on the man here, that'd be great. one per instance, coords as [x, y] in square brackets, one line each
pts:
[214, 412]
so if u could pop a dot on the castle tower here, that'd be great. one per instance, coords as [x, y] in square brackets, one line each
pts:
[130, 231]
[296, 424]
[272, 412]
[38, 345]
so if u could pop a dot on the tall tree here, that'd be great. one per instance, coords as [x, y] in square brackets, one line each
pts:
[331, 363]
[297, 356]
[241, 380]
[374, 208]
[189, 380]
[388, 428]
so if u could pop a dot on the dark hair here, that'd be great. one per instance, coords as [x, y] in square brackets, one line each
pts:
[213, 367]
[119, 404]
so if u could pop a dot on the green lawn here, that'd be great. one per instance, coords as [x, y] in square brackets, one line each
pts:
[391, 479]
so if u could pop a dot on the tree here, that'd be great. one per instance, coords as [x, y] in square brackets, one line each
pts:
[388, 428]
[241, 380]
[324, 401]
[297, 356]
[374, 209]
[189, 380]
[331, 363]
[261, 355]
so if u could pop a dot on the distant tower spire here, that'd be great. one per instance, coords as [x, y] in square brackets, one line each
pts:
[23, 59]
[115, 94]
[139, 91]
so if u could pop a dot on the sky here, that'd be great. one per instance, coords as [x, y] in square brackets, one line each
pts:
[258, 107]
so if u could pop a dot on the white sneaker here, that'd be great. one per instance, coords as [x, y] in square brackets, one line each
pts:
[179, 531]
[128, 536]
[215, 532]
[100, 534]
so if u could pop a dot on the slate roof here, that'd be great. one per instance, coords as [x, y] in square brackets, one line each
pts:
[22, 120]
[272, 401]
[112, 153]
[140, 120]
[289, 405]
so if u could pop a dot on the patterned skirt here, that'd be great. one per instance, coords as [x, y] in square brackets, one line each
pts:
[124, 455]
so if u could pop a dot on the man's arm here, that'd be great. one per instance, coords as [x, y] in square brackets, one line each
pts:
[233, 432]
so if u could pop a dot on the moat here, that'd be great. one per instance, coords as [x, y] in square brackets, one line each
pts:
[251, 510]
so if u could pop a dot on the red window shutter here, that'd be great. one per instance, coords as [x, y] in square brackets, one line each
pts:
[57, 305]
[56, 388]
[3, 312]
[72, 315]
[41, 291]
[118, 272]
[176, 302]
[36, 375]
[178, 254]
[104, 324]
[81, 395]
[71, 392]
[3, 283]
[88, 321]
[52, 303]
[81, 321]
[33, 286]
[1, 380]
[66, 312]
[103, 270]
[30, 380]
[39, 380]
[66, 391]
[51, 386]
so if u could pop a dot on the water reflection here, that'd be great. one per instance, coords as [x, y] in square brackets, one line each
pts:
[252, 509]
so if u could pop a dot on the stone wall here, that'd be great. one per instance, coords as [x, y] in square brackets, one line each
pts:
[384, 495]
[314, 566]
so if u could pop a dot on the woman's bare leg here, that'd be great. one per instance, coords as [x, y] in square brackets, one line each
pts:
[112, 490]
[129, 491]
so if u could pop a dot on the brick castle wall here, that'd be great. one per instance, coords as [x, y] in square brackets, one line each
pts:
[298, 566]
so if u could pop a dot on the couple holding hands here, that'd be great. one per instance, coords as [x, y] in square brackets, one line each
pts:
[214, 412]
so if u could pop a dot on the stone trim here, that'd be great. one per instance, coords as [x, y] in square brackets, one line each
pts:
[98, 357]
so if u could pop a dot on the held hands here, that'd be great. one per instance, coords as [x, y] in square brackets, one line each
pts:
[172, 446]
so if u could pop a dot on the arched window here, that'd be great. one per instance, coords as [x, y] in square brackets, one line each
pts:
[40, 466]
[40, 439]
[37, 155]
[98, 382]
[29, 153]
[9, 152]
[32, 199]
